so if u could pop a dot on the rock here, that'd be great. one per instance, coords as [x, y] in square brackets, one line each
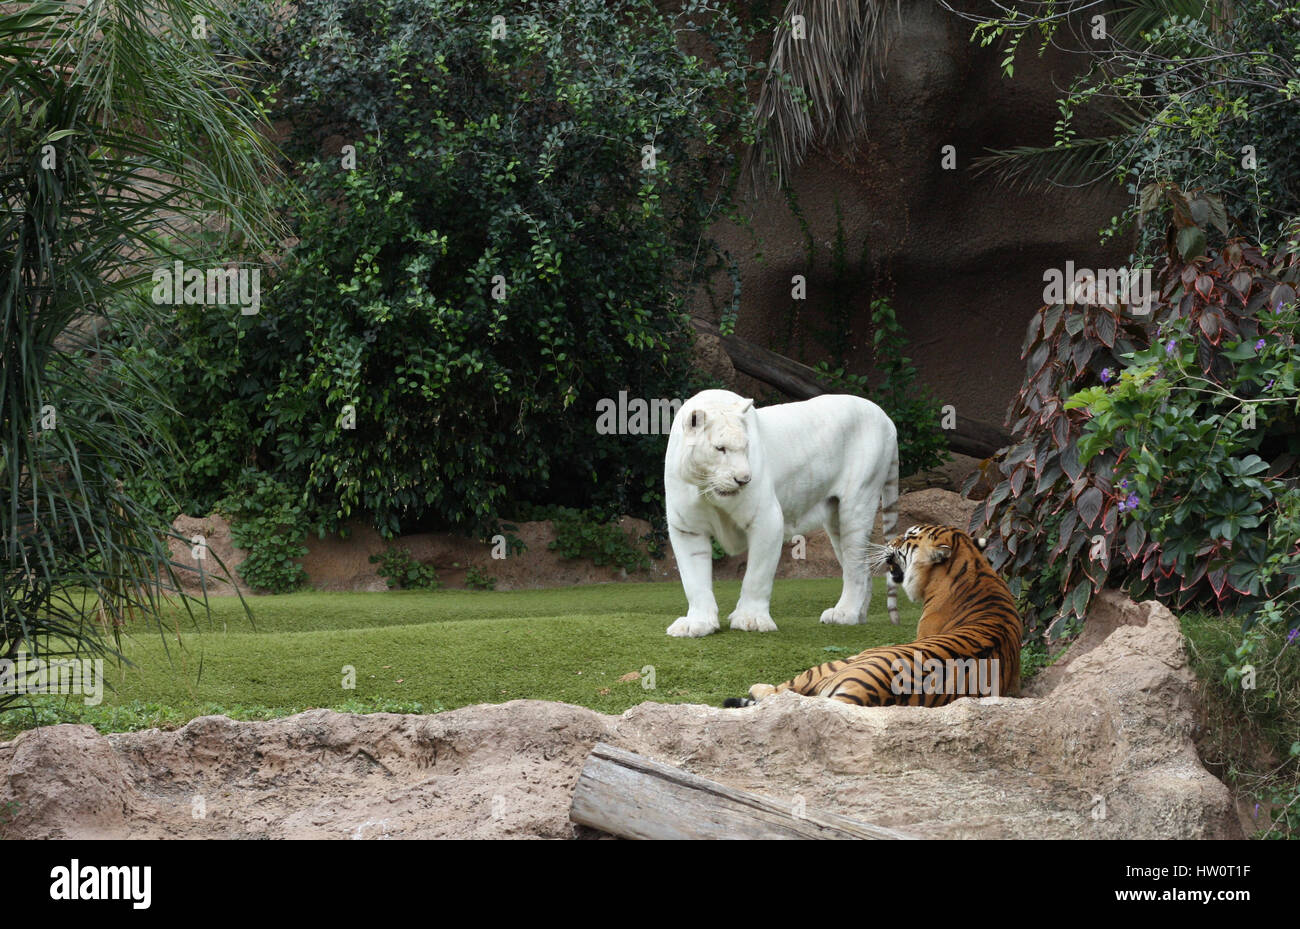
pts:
[712, 359]
[215, 570]
[66, 781]
[1100, 748]
[935, 507]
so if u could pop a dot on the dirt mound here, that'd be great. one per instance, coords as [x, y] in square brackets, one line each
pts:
[344, 564]
[1101, 748]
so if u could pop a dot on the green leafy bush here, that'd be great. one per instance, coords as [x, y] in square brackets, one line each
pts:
[1195, 94]
[588, 535]
[497, 260]
[1158, 453]
[476, 579]
[399, 567]
[1200, 507]
[266, 519]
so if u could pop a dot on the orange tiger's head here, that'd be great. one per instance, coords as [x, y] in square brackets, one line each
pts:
[924, 553]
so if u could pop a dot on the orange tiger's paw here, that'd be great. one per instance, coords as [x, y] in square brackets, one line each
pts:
[759, 691]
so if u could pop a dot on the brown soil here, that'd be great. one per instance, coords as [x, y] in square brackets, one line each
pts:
[344, 564]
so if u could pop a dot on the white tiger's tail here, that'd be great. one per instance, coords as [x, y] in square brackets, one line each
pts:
[888, 520]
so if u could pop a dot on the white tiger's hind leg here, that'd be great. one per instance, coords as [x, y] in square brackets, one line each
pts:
[851, 549]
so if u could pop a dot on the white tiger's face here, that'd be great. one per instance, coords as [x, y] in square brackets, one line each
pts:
[717, 449]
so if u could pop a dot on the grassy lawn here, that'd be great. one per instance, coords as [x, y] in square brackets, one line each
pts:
[419, 651]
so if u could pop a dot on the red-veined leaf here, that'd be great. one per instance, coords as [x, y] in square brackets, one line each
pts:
[1089, 506]
[1105, 324]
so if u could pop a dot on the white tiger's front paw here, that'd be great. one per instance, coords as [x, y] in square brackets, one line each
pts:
[693, 627]
[838, 617]
[751, 621]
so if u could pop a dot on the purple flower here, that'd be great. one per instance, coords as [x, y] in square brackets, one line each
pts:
[1133, 501]
[1269, 384]
[1169, 347]
[1123, 485]
[1105, 375]
[1259, 346]
[1291, 636]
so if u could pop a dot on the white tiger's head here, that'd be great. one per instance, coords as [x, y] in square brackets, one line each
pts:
[717, 443]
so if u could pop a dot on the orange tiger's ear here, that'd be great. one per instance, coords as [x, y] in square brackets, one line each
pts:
[941, 554]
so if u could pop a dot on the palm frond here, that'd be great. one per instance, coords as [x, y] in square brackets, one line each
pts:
[818, 86]
[119, 134]
[1078, 163]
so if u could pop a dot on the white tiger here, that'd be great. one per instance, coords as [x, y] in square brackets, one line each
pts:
[752, 479]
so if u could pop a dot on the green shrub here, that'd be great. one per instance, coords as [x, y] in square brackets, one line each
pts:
[497, 261]
[1196, 94]
[589, 535]
[402, 571]
[1203, 518]
[266, 519]
[115, 124]
[476, 579]
[1158, 453]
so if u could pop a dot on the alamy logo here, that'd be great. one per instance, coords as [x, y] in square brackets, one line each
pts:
[23, 675]
[103, 882]
[957, 676]
[636, 416]
[1130, 286]
[212, 286]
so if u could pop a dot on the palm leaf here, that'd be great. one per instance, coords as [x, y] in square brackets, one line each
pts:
[155, 142]
[817, 88]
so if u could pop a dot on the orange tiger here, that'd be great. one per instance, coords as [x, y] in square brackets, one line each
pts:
[967, 643]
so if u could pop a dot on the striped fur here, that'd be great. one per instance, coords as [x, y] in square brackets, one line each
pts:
[969, 614]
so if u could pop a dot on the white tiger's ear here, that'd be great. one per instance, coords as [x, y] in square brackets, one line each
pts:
[941, 554]
[746, 406]
[981, 543]
[696, 420]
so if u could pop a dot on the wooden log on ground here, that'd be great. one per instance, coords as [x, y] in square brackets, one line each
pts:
[969, 437]
[632, 797]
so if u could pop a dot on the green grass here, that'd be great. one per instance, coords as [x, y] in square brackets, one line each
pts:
[417, 651]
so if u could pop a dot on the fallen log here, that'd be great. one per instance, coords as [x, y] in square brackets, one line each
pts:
[632, 797]
[800, 382]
